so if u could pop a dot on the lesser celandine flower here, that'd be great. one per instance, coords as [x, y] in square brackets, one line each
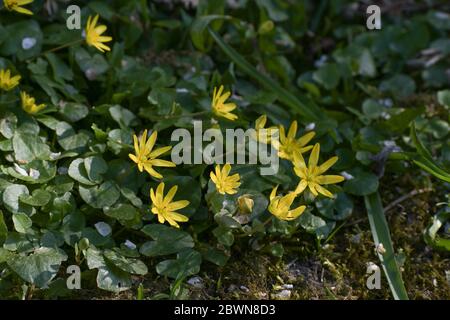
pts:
[223, 181]
[165, 208]
[146, 157]
[6, 81]
[280, 206]
[311, 175]
[29, 103]
[94, 34]
[16, 5]
[262, 134]
[289, 144]
[219, 107]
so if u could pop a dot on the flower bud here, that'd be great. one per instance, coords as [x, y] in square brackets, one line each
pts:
[245, 204]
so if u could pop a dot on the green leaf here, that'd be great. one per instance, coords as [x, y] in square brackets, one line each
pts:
[60, 69]
[38, 268]
[8, 125]
[21, 222]
[93, 66]
[122, 116]
[113, 279]
[11, 198]
[73, 112]
[166, 240]
[133, 266]
[216, 256]
[381, 236]
[122, 212]
[163, 99]
[400, 122]
[314, 224]
[187, 263]
[101, 196]
[339, 208]
[5, 255]
[400, 86]
[224, 236]
[38, 198]
[328, 76]
[28, 147]
[444, 98]
[95, 167]
[68, 139]
[78, 172]
[38, 171]
[362, 184]
[27, 31]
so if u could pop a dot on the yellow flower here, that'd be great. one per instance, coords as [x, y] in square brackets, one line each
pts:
[146, 158]
[15, 5]
[245, 204]
[94, 34]
[29, 104]
[262, 134]
[225, 183]
[311, 175]
[280, 206]
[289, 145]
[6, 81]
[165, 208]
[220, 108]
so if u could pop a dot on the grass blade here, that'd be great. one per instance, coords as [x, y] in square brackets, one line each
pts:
[381, 235]
[425, 160]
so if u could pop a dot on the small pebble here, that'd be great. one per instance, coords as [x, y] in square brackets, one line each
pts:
[284, 294]
[103, 228]
[196, 282]
[28, 43]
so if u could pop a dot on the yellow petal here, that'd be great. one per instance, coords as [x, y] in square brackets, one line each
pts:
[314, 157]
[156, 153]
[177, 205]
[323, 191]
[327, 165]
[301, 186]
[170, 195]
[151, 171]
[329, 179]
[303, 140]
[162, 163]
[292, 130]
[150, 143]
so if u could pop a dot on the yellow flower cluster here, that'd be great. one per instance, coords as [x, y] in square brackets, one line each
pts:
[146, 159]
[290, 148]
[8, 83]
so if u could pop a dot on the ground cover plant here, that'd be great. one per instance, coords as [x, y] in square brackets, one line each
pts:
[93, 203]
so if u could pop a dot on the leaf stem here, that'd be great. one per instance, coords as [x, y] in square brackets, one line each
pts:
[66, 45]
